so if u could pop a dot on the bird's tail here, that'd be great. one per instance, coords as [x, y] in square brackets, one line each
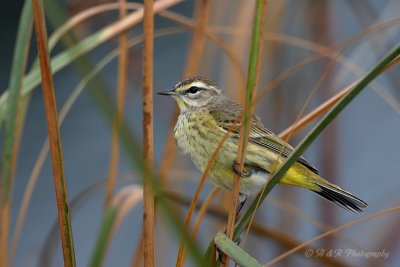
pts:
[339, 196]
[299, 175]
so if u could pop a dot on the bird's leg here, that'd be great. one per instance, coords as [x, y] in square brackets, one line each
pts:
[247, 172]
[241, 202]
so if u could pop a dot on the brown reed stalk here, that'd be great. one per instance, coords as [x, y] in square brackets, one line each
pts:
[252, 81]
[54, 136]
[148, 141]
[121, 91]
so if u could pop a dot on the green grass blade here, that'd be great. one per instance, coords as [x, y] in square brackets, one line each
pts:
[254, 65]
[103, 238]
[313, 134]
[234, 252]
[15, 117]
[252, 81]
[17, 76]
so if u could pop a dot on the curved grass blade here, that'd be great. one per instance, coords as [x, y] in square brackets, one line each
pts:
[14, 123]
[312, 135]
[103, 238]
[121, 204]
[17, 76]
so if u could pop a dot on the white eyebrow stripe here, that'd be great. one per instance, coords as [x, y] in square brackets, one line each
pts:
[201, 84]
[198, 84]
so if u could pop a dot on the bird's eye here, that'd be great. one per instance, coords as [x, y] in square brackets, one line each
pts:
[193, 90]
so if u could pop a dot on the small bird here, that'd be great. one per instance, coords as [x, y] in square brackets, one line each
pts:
[206, 115]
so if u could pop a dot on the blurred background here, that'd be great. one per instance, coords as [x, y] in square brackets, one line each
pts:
[322, 43]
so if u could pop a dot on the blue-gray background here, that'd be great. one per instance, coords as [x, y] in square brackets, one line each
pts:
[365, 148]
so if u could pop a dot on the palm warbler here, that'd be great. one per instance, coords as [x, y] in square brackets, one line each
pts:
[206, 115]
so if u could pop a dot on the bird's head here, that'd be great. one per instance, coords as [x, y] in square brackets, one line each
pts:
[193, 92]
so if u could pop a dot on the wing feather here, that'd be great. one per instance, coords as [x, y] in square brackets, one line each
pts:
[227, 119]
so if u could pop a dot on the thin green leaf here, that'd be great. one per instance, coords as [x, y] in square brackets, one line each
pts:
[13, 102]
[313, 134]
[14, 123]
[104, 236]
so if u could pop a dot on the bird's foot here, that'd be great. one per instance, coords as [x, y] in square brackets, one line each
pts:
[245, 173]
[220, 253]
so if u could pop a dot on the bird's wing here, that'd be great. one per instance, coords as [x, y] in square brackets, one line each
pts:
[227, 119]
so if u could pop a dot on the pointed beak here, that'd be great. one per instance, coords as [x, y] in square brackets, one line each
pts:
[168, 93]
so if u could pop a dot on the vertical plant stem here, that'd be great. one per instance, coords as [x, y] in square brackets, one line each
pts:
[13, 129]
[148, 197]
[54, 136]
[252, 80]
[121, 90]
